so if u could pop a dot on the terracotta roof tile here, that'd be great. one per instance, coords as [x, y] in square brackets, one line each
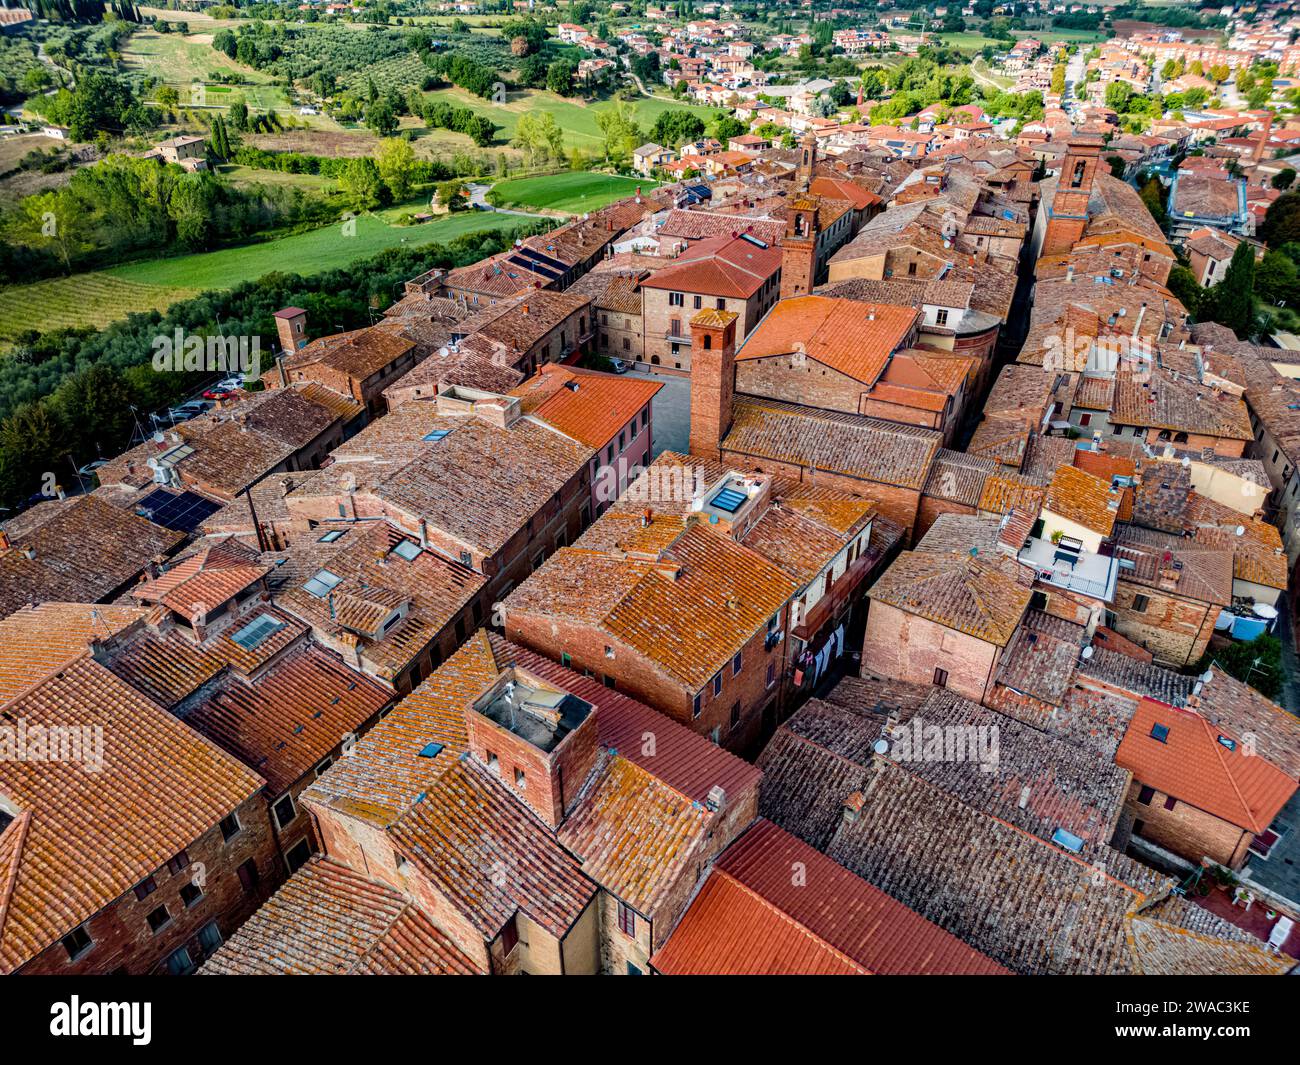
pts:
[960, 592]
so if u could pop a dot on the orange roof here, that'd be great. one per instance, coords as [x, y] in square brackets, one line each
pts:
[204, 580]
[720, 266]
[1194, 765]
[588, 406]
[844, 189]
[752, 918]
[1080, 497]
[853, 337]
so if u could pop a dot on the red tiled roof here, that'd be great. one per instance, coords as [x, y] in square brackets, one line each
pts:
[588, 406]
[754, 918]
[1194, 766]
[847, 335]
[720, 266]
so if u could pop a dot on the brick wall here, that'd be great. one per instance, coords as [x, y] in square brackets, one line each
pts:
[1189, 832]
[1176, 631]
[903, 646]
[799, 379]
[122, 938]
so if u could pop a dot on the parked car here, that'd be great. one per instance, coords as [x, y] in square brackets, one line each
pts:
[189, 410]
[218, 392]
[618, 366]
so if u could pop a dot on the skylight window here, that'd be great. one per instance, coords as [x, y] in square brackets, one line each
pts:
[257, 631]
[331, 536]
[1068, 840]
[1160, 732]
[1228, 742]
[436, 435]
[407, 550]
[729, 499]
[431, 750]
[322, 583]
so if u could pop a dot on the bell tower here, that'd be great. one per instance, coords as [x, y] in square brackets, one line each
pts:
[1067, 215]
[799, 245]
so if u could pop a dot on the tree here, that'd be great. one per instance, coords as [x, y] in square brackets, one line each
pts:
[539, 137]
[1058, 79]
[1154, 200]
[1257, 663]
[238, 114]
[168, 97]
[559, 77]
[450, 193]
[1283, 180]
[676, 127]
[1277, 279]
[360, 184]
[1183, 284]
[1232, 301]
[725, 127]
[55, 220]
[1281, 224]
[380, 118]
[396, 163]
[618, 126]
[219, 142]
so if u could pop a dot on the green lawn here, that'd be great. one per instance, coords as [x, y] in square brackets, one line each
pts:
[303, 253]
[573, 193]
[104, 296]
[577, 119]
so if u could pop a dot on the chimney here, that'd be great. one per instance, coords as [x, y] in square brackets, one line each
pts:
[4, 541]
[713, 379]
[284, 374]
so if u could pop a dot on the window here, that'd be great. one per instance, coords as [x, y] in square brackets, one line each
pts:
[159, 919]
[941, 678]
[1170, 802]
[627, 344]
[1085, 420]
[607, 680]
[510, 936]
[941, 316]
[178, 864]
[210, 937]
[609, 651]
[297, 857]
[696, 704]
[735, 717]
[676, 299]
[632, 970]
[1140, 603]
[331, 536]
[145, 888]
[722, 304]
[717, 683]
[1146, 795]
[626, 919]
[1160, 733]
[735, 665]
[249, 877]
[565, 659]
[911, 269]
[520, 779]
[322, 583]
[645, 417]
[179, 962]
[460, 629]
[771, 674]
[77, 942]
[191, 893]
[698, 302]
[476, 609]
[284, 812]
[230, 827]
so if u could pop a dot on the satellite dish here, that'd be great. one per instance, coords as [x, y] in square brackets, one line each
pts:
[1241, 530]
[1207, 676]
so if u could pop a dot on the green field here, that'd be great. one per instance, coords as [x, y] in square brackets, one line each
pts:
[104, 296]
[572, 193]
[85, 299]
[578, 120]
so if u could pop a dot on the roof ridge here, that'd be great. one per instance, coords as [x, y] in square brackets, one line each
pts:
[20, 826]
[1221, 752]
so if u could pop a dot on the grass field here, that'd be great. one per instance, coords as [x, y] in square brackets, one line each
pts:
[578, 120]
[247, 175]
[86, 299]
[573, 193]
[104, 296]
[180, 61]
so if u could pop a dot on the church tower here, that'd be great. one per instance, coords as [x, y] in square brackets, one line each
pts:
[1067, 215]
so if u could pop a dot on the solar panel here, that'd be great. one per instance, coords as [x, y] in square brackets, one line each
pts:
[257, 631]
[548, 272]
[729, 500]
[542, 258]
[179, 511]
